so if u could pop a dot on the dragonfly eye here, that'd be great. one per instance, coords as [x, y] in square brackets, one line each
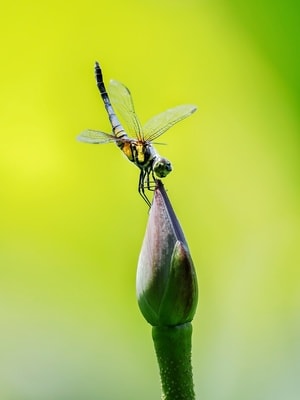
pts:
[162, 167]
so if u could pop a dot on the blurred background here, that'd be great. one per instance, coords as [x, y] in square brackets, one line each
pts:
[72, 222]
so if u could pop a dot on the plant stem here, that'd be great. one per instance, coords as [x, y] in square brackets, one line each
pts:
[173, 351]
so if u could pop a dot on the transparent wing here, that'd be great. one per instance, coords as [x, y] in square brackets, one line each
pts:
[122, 101]
[95, 137]
[159, 124]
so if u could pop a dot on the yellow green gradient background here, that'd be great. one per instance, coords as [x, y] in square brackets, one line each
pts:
[72, 222]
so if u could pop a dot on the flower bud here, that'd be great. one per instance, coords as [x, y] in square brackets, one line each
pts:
[167, 289]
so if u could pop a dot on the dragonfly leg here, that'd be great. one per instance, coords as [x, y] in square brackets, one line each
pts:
[150, 184]
[154, 182]
[141, 188]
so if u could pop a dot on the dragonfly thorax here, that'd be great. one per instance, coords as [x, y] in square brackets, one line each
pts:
[162, 167]
[140, 153]
[145, 157]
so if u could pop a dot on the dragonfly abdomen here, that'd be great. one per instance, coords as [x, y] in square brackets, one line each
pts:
[117, 127]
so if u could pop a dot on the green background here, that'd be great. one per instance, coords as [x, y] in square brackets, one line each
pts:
[72, 223]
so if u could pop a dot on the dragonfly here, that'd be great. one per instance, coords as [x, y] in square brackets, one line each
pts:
[136, 141]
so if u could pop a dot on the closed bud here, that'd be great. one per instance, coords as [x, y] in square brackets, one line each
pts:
[167, 288]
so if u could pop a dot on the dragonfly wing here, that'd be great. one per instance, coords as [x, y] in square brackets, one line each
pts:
[159, 124]
[95, 137]
[122, 101]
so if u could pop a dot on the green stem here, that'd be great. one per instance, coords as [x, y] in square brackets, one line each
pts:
[173, 350]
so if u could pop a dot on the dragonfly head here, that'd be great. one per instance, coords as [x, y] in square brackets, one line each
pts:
[162, 167]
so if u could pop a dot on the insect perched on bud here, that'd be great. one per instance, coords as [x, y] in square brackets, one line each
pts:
[138, 149]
